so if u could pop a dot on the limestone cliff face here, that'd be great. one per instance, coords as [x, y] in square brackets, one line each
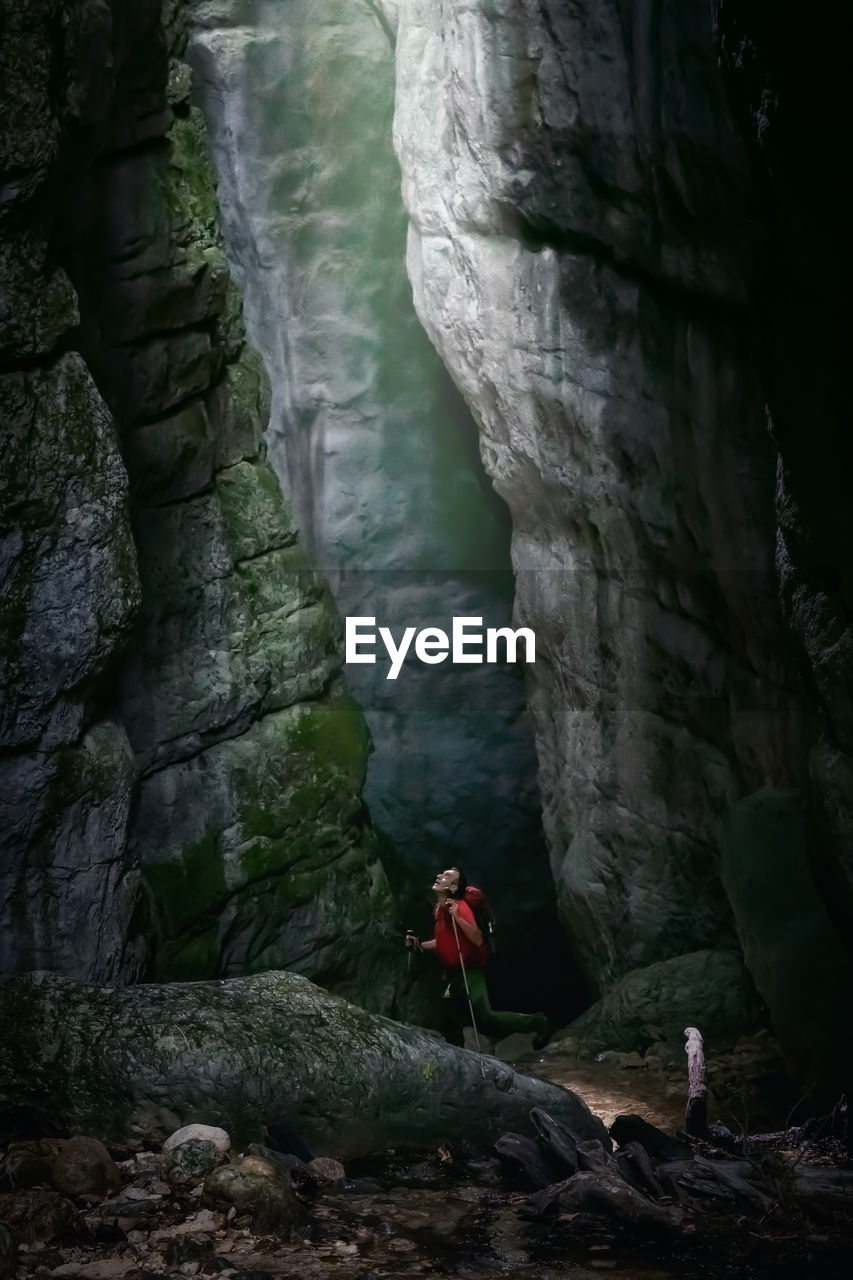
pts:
[174, 717]
[375, 448]
[576, 197]
[70, 587]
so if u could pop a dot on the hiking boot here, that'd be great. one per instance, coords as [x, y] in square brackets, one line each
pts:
[543, 1031]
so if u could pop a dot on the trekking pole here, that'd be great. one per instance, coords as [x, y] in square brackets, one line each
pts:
[465, 981]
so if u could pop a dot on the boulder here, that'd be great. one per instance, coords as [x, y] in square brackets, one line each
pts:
[324, 1169]
[202, 1132]
[190, 1163]
[138, 1062]
[84, 1167]
[708, 989]
[37, 1215]
[258, 1187]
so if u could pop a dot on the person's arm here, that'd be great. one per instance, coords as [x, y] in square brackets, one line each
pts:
[464, 917]
[414, 943]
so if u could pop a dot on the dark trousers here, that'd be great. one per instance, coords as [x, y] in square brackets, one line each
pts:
[491, 1022]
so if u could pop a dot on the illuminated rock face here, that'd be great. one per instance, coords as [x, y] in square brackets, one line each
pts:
[375, 448]
[575, 192]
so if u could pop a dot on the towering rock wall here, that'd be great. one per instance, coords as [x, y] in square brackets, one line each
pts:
[69, 586]
[175, 712]
[786, 76]
[576, 196]
[375, 449]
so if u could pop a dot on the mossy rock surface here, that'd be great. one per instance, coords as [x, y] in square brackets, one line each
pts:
[261, 857]
[135, 1063]
[707, 989]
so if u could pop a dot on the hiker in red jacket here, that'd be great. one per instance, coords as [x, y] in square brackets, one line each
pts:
[465, 946]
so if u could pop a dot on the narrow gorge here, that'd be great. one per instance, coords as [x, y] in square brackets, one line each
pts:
[522, 310]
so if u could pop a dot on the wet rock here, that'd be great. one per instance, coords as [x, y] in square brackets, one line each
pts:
[422, 1174]
[201, 1132]
[486, 1172]
[627, 1061]
[362, 1186]
[128, 1210]
[257, 1187]
[326, 1170]
[284, 1161]
[189, 1163]
[37, 1215]
[84, 1167]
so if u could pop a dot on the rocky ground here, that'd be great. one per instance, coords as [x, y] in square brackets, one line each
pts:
[749, 1087]
[198, 1207]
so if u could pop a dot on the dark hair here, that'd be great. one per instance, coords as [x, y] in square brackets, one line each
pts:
[462, 885]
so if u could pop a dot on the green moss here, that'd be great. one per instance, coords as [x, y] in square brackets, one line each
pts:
[185, 898]
[189, 187]
[253, 510]
[192, 960]
[334, 734]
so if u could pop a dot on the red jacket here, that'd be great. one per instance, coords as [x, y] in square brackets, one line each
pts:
[446, 947]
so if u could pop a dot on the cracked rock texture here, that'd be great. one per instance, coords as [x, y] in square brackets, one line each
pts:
[69, 586]
[249, 1052]
[374, 447]
[576, 194]
[182, 767]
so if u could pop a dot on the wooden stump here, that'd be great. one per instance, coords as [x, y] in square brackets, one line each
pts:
[696, 1113]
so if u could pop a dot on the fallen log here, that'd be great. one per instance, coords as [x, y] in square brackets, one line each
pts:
[611, 1196]
[636, 1168]
[529, 1155]
[659, 1145]
[592, 1158]
[558, 1138]
[824, 1191]
[718, 1179]
[136, 1063]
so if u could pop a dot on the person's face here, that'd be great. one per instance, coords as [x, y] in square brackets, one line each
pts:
[447, 881]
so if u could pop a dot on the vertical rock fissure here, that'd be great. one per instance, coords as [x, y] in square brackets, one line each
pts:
[373, 443]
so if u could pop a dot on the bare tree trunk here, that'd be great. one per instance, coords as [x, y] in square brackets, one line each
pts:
[696, 1113]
